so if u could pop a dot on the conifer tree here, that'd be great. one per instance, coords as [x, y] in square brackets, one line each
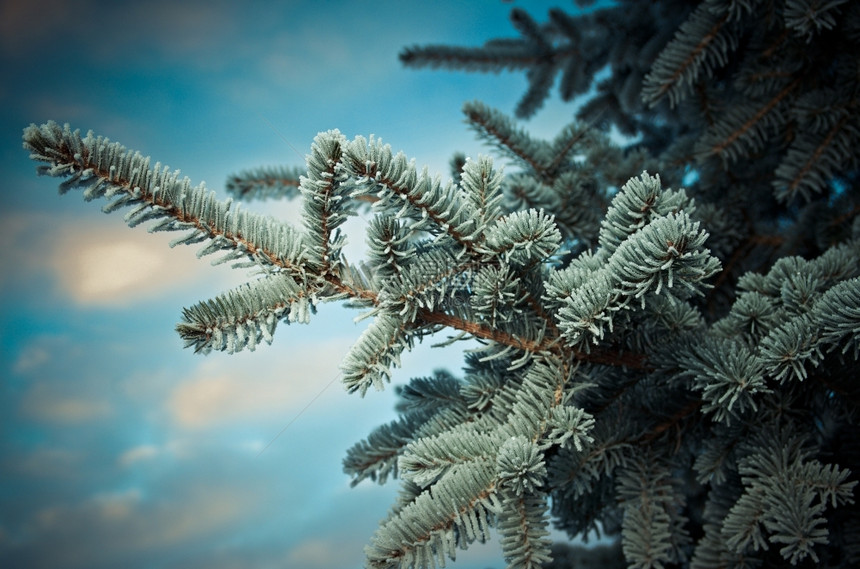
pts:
[675, 368]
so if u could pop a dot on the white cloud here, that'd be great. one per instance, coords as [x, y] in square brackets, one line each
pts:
[320, 553]
[109, 529]
[247, 386]
[97, 260]
[118, 266]
[31, 358]
[46, 402]
[48, 355]
[321, 60]
[117, 506]
[105, 270]
[23, 234]
[140, 453]
[185, 448]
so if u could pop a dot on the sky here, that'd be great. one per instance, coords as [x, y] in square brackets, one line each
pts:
[119, 448]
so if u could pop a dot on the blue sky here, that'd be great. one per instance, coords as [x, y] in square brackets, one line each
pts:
[118, 448]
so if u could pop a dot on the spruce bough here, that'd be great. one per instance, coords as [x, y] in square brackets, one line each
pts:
[675, 368]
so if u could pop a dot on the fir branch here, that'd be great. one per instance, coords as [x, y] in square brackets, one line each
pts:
[578, 393]
[243, 317]
[523, 192]
[326, 204]
[535, 51]
[432, 279]
[498, 56]
[785, 494]
[485, 332]
[744, 126]
[482, 185]
[540, 80]
[523, 530]
[455, 513]
[377, 350]
[586, 314]
[524, 238]
[806, 18]
[275, 182]
[561, 284]
[727, 373]
[810, 162]
[427, 459]
[605, 356]
[541, 391]
[670, 248]
[438, 391]
[520, 466]
[838, 314]
[408, 194]
[498, 294]
[568, 423]
[574, 473]
[638, 202]
[571, 138]
[428, 406]
[106, 169]
[700, 44]
[752, 316]
[497, 129]
[529, 29]
[376, 457]
[390, 246]
[652, 530]
[789, 348]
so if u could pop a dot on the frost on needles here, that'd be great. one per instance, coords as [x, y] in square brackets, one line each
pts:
[672, 367]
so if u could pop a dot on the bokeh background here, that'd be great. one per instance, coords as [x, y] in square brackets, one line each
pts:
[118, 448]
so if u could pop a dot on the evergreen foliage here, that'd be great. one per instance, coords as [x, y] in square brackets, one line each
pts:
[673, 368]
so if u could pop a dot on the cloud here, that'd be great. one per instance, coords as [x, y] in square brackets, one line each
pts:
[32, 357]
[321, 553]
[44, 402]
[323, 60]
[105, 270]
[137, 454]
[111, 265]
[319, 61]
[23, 232]
[190, 29]
[127, 527]
[55, 463]
[249, 386]
[117, 506]
[99, 261]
